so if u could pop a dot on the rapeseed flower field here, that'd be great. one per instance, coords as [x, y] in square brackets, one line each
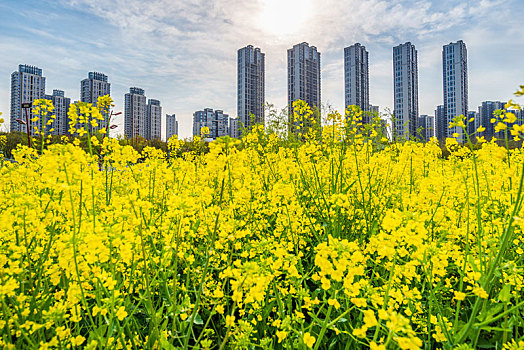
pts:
[340, 240]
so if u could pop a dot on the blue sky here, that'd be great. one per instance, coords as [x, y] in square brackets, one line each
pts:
[184, 52]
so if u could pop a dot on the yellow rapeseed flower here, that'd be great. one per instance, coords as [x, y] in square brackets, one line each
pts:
[230, 320]
[121, 313]
[309, 340]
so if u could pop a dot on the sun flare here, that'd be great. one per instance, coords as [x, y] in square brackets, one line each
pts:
[284, 17]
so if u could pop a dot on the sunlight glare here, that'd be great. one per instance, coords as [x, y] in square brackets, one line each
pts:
[284, 17]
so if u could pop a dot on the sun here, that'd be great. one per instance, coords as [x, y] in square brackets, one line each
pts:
[285, 17]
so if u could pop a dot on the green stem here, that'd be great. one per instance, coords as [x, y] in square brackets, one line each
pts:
[499, 316]
[204, 273]
[324, 327]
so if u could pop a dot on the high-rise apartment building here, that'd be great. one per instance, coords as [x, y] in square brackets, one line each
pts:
[303, 76]
[472, 126]
[519, 114]
[405, 83]
[216, 121]
[153, 120]
[426, 127]
[486, 112]
[356, 76]
[234, 130]
[455, 84]
[27, 85]
[135, 116]
[251, 88]
[221, 125]
[171, 126]
[94, 86]
[202, 119]
[440, 123]
[61, 103]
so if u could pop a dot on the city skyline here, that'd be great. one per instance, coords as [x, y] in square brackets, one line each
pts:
[29, 82]
[191, 67]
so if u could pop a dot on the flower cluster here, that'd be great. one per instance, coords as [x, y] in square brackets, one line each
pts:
[347, 243]
[83, 117]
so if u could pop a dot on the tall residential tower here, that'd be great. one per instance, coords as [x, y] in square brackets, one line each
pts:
[426, 127]
[171, 126]
[486, 113]
[303, 76]
[440, 127]
[455, 84]
[94, 86]
[405, 83]
[216, 121]
[154, 120]
[61, 103]
[135, 117]
[234, 131]
[251, 91]
[356, 76]
[27, 85]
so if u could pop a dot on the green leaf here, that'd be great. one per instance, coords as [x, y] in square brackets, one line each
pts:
[198, 320]
[496, 329]
[504, 294]
[484, 316]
